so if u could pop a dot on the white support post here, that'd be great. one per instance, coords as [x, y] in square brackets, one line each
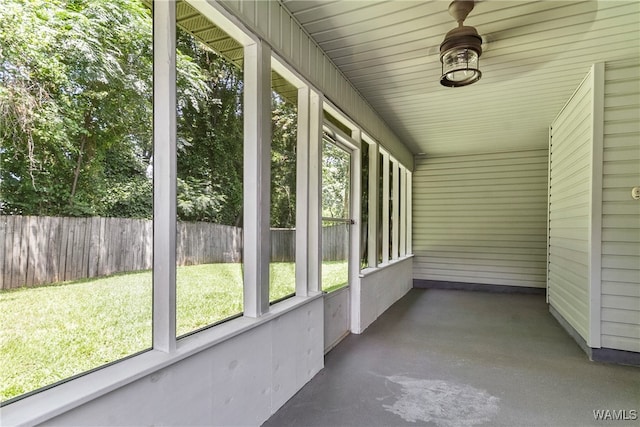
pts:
[164, 176]
[385, 207]
[409, 213]
[403, 211]
[302, 194]
[374, 189]
[315, 193]
[595, 224]
[396, 211]
[550, 152]
[257, 177]
[354, 231]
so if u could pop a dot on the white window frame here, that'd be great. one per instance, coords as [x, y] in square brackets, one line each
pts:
[372, 229]
[403, 212]
[409, 213]
[385, 207]
[167, 349]
[395, 210]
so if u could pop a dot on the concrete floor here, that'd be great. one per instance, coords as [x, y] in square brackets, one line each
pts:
[457, 358]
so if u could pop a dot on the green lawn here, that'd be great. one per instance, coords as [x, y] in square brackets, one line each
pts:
[53, 332]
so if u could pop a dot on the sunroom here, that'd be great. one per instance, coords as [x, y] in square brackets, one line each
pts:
[305, 157]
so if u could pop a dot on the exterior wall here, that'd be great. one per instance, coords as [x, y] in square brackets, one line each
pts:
[381, 288]
[277, 27]
[239, 382]
[336, 317]
[570, 155]
[621, 214]
[481, 218]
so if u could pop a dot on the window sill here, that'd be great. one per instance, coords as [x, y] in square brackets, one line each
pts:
[49, 403]
[373, 270]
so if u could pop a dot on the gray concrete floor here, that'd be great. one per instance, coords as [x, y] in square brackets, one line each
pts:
[458, 358]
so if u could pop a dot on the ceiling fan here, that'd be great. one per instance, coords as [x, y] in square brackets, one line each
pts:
[461, 49]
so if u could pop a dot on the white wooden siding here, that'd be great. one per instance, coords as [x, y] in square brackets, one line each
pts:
[621, 214]
[481, 218]
[296, 47]
[570, 154]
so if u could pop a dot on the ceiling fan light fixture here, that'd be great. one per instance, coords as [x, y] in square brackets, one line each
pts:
[461, 49]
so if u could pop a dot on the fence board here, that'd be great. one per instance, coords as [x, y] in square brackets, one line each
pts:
[8, 257]
[74, 262]
[94, 247]
[283, 245]
[32, 246]
[39, 259]
[53, 251]
[86, 248]
[64, 237]
[21, 254]
[3, 240]
[41, 250]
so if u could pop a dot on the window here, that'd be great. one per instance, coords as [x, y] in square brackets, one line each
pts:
[86, 166]
[394, 209]
[209, 243]
[393, 206]
[402, 185]
[397, 212]
[76, 186]
[408, 190]
[336, 214]
[364, 216]
[382, 199]
[284, 139]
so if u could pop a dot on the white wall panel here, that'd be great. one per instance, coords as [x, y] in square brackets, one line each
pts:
[380, 289]
[481, 218]
[570, 155]
[621, 218]
[320, 71]
[336, 317]
[238, 382]
[297, 348]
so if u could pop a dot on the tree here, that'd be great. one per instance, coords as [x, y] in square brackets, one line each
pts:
[75, 75]
[210, 135]
[76, 117]
[336, 166]
[283, 162]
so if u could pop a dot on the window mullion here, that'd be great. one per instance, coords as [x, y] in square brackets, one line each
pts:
[374, 183]
[403, 211]
[315, 193]
[409, 213]
[164, 176]
[385, 208]
[396, 212]
[302, 193]
[257, 177]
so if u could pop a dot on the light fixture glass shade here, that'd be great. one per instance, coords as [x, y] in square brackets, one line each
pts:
[460, 67]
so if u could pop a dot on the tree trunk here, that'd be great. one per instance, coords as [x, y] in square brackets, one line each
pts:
[76, 172]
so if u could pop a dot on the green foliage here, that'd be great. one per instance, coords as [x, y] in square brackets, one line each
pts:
[210, 125]
[75, 76]
[336, 167]
[76, 117]
[283, 163]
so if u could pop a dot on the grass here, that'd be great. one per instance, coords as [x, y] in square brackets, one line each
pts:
[335, 274]
[53, 332]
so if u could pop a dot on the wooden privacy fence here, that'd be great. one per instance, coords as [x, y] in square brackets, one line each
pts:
[36, 250]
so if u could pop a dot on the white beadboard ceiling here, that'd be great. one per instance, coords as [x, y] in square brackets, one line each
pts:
[535, 55]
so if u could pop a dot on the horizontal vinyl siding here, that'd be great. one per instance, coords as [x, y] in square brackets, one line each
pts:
[621, 214]
[481, 218]
[569, 209]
